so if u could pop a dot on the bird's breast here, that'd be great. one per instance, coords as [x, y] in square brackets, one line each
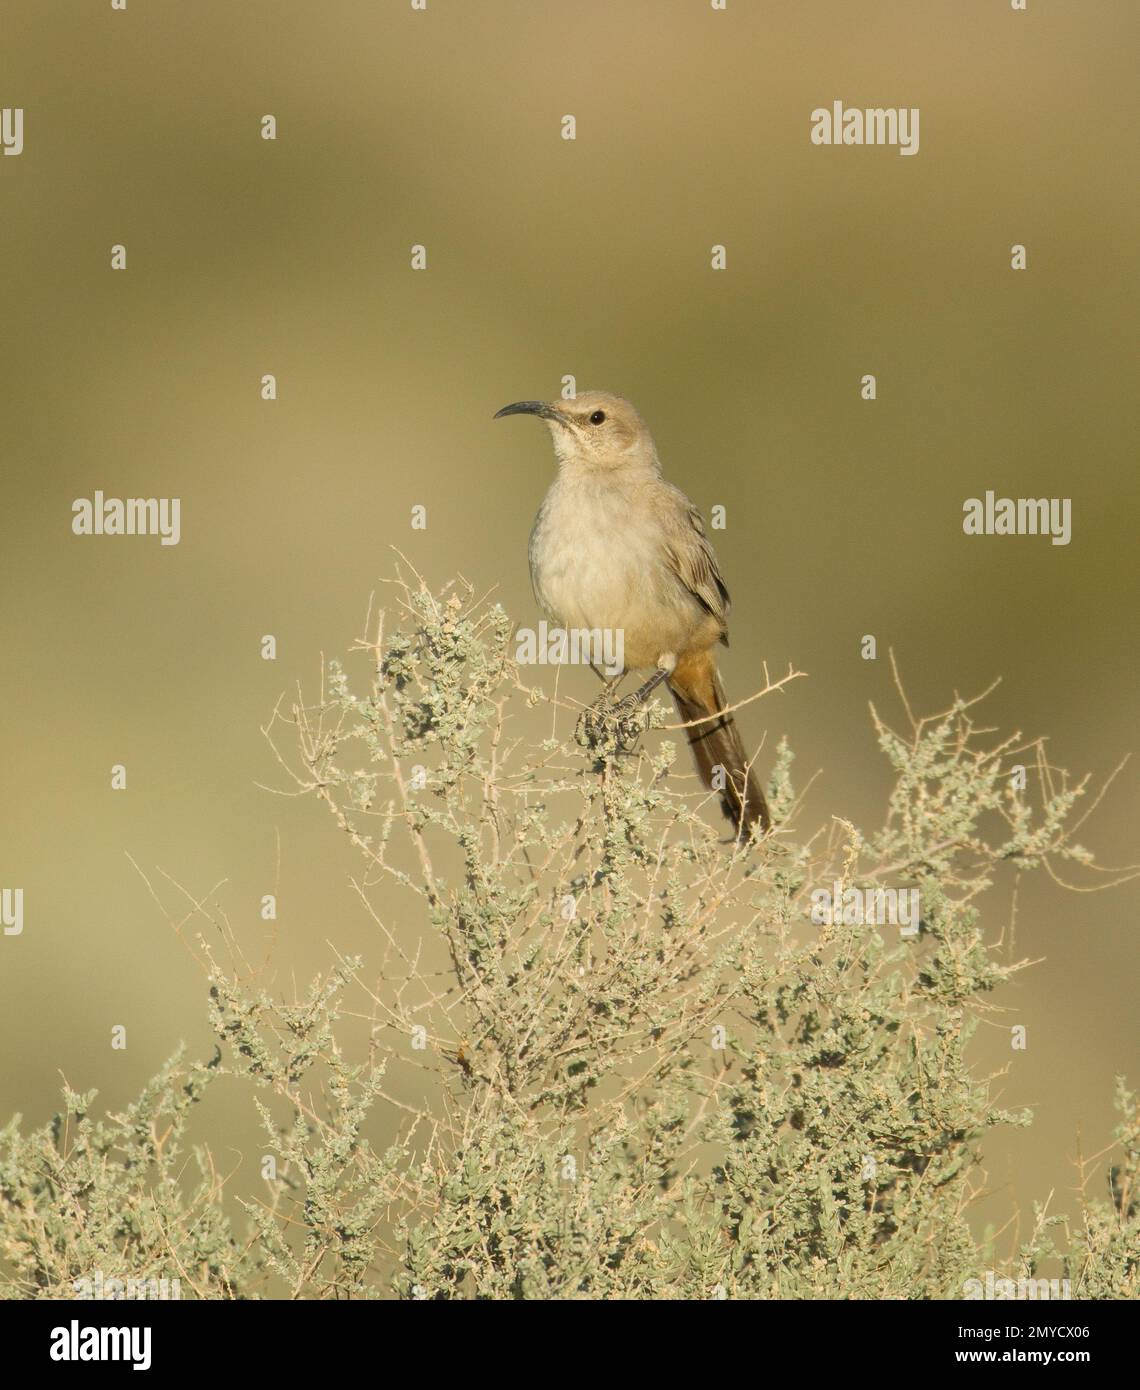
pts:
[597, 561]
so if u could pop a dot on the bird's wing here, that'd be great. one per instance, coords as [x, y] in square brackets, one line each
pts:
[690, 557]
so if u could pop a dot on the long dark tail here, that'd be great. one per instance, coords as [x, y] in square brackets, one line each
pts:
[716, 743]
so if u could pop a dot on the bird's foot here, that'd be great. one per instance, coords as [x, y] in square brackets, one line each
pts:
[612, 726]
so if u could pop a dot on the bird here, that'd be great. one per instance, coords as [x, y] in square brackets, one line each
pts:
[617, 547]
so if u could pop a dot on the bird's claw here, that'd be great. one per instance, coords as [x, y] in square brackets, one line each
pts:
[615, 727]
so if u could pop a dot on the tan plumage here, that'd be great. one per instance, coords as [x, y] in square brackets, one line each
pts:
[698, 692]
[615, 546]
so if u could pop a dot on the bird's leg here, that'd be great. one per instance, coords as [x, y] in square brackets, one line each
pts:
[592, 720]
[608, 721]
[609, 685]
[596, 723]
[643, 691]
[628, 714]
[666, 665]
[622, 722]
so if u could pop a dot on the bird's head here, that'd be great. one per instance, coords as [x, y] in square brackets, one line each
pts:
[595, 430]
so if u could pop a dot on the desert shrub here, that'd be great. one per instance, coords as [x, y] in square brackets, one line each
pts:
[642, 1062]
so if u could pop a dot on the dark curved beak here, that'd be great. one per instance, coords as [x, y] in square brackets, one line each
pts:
[540, 408]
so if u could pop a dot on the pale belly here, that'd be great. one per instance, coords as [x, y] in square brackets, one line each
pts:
[594, 566]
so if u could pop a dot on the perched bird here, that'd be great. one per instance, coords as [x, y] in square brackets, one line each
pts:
[616, 547]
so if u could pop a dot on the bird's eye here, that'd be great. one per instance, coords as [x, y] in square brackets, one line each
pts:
[597, 417]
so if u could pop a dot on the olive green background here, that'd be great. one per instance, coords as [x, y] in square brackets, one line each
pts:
[547, 257]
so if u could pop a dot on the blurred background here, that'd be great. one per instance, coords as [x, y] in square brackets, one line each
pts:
[545, 258]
